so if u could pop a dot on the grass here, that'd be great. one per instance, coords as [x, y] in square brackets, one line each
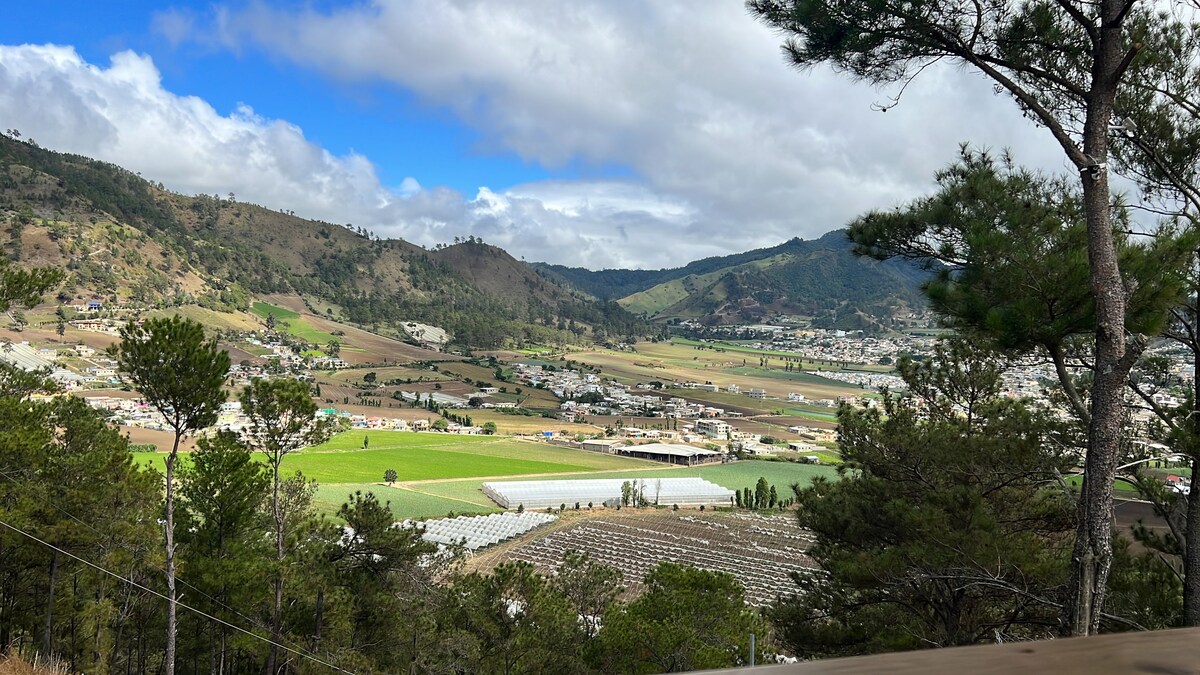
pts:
[1120, 487]
[403, 503]
[822, 364]
[341, 467]
[791, 376]
[295, 324]
[734, 475]
[429, 456]
[264, 309]
[521, 424]
[816, 413]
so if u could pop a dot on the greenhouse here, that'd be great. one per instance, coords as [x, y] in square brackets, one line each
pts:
[476, 532]
[538, 494]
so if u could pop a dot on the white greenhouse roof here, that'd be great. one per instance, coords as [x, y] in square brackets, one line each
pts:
[476, 532]
[536, 494]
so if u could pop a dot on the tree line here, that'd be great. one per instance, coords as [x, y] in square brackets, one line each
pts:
[1058, 268]
[228, 566]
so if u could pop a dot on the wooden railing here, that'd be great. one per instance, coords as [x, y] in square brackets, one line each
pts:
[1166, 652]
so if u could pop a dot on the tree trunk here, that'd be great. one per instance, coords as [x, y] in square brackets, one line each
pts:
[318, 618]
[48, 628]
[1091, 559]
[1191, 553]
[170, 538]
[1191, 543]
[277, 614]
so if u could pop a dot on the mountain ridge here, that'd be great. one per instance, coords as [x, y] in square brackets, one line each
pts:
[820, 278]
[129, 241]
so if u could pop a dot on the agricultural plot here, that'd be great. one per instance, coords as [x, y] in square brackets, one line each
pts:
[521, 424]
[668, 363]
[734, 475]
[421, 460]
[762, 552]
[470, 371]
[738, 348]
[296, 325]
[404, 504]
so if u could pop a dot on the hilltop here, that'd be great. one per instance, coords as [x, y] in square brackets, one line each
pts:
[820, 278]
[129, 241]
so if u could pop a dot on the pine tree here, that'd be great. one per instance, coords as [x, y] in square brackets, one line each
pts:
[180, 374]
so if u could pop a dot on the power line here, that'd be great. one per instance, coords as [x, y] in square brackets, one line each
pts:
[251, 620]
[176, 602]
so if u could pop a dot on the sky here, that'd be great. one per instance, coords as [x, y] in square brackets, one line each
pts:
[593, 133]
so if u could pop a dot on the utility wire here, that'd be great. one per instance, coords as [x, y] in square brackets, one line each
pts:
[250, 620]
[130, 550]
[176, 602]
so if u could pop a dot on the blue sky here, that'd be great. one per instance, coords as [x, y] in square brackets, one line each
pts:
[601, 133]
[402, 135]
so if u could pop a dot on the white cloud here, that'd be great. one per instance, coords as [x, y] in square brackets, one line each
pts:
[695, 98]
[730, 149]
[123, 115]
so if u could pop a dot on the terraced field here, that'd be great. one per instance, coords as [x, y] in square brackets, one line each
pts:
[761, 551]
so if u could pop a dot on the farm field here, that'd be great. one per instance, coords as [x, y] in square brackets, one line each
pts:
[520, 424]
[666, 362]
[734, 475]
[470, 371]
[383, 374]
[297, 325]
[358, 346]
[404, 504]
[341, 466]
[824, 364]
[761, 551]
[210, 318]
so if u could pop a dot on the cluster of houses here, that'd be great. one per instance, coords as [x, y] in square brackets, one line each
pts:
[845, 347]
[94, 371]
[872, 381]
[134, 412]
[291, 360]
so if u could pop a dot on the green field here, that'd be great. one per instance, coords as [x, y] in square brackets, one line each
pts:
[812, 412]
[403, 503]
[263, 309]
[341, 466]
[791, 376]
[734, 475]
[295, 324]
[745, 349]
[427, 464]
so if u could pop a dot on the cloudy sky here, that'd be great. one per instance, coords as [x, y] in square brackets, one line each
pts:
[597, 133]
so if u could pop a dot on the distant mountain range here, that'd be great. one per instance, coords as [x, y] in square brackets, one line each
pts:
[820, 278]
[127, 240]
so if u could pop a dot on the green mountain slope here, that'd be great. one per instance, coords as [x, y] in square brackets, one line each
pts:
[127, 240]
[819, 278]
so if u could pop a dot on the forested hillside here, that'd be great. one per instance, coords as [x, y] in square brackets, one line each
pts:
[819, 278]
[125, 239]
